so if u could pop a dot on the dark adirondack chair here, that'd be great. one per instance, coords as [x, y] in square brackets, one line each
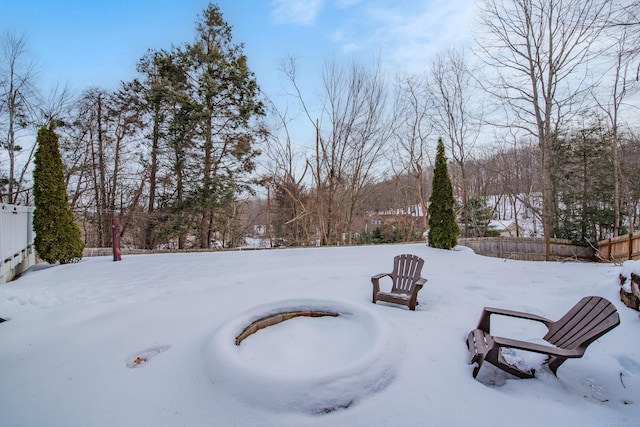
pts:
[587, 321]
[407, 281]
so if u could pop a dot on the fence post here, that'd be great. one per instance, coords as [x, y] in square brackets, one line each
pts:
[630, 246]
[115, 238]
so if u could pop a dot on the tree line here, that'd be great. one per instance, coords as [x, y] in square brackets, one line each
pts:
[538, 113]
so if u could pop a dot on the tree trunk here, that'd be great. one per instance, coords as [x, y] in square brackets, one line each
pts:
[205, 221]
[149, 237]
[548, 197]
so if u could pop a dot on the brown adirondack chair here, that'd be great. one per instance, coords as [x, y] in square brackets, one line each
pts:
[406, 281]
[587, 321]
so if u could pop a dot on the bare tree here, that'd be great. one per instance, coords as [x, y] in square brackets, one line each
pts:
[102, 166]
[411, 135]
[349, 150]
[57, 104]
[621, 87]
[539, 49]
[630, 164]
[456, 113]
[289, 69]
[624, 30]
[514, 165]
[285, 183]
[349, 140]
[626, 15]
[17, 94]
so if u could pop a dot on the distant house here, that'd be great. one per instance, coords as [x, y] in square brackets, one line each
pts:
[506, 228]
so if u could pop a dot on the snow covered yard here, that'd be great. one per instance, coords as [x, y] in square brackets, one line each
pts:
[148, 342]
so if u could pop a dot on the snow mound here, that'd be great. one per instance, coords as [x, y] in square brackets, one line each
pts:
[313, 365]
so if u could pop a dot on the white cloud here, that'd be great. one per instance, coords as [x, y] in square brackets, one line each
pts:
[407, 33]
[300, 12]
[343, 4]
[351, 48]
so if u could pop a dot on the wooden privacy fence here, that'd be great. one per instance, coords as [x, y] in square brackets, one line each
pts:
[621, 248]
[528, 248]
[616, 249]
[91, 252]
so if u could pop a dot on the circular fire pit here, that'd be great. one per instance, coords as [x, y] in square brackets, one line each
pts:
[274, 319]
[309, 356]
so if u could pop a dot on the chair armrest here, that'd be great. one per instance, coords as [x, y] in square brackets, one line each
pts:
[419, 284]
[537, 348]
[375, 281]
[485, 318]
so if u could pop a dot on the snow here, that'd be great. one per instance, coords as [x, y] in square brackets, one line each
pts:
[629, 267]
[149, 341]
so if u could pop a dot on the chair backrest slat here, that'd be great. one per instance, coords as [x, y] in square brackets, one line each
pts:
[588, 320]
[404, 273]
[406, 270]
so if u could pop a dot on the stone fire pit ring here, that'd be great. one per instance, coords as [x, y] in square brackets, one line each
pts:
[362, 361]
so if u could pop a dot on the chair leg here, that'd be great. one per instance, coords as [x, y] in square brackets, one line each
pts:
[554, 363]
[494, 356]
[477, 354]
[376, 288]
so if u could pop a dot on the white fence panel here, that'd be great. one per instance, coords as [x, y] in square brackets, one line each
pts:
[16, 240]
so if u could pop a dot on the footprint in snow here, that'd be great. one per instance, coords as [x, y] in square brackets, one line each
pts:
[143, 357]
[630, 365]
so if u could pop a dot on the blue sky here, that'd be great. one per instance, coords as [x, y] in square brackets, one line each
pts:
[87, 43]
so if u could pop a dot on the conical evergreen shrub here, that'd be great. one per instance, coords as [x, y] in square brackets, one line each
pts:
[443, 228]
[58, 237]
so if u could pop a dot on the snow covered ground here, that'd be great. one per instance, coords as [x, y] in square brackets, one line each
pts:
[148, 341]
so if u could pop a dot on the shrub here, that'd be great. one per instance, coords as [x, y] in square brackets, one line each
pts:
[443, 228]
[58, 237]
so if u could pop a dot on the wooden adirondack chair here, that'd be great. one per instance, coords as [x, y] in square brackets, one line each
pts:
[587, 321]
[407, 281]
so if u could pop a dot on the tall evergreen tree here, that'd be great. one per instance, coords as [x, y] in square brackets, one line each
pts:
[443, 228]
[585, 191]
[58, 237]
[226, 93]
[160, 98]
